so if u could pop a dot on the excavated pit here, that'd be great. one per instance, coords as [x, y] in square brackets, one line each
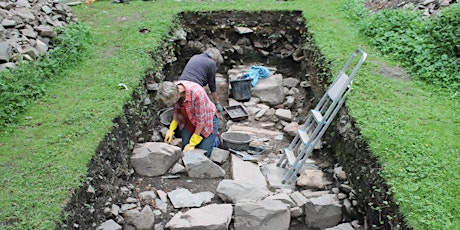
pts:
[279, 39]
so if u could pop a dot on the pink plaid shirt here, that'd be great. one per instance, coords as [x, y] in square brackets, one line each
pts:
[200, 109]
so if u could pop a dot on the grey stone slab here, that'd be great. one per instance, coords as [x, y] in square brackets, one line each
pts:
[211, 217]
[183, 198]
[246, 171]
[234, 191]
[198, 165]
[275, 175]
[262, 215]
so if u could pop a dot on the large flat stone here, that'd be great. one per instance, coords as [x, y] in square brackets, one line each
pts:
[211, 217]
[275, 175]
[235, 191]
[246, 171]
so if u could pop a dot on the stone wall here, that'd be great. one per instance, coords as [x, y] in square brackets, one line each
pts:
[27, 28]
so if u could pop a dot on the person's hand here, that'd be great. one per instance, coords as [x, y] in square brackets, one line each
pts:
[170, 133]
[219, 107]
[194, 141]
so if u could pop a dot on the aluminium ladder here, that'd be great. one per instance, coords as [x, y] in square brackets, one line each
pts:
[319, 119]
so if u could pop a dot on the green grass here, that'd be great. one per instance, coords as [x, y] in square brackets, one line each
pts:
[415, 134]
[412, 128]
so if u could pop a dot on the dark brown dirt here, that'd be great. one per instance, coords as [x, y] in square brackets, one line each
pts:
[110, 170]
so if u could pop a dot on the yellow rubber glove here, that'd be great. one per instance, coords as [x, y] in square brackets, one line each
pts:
[194, 141]
[170, 133]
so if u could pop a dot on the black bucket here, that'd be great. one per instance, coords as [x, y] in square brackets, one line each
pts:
[235, 140]
[241, 89]
[166, 116]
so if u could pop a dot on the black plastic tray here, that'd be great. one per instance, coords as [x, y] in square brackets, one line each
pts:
[236, 112]
[255, 150]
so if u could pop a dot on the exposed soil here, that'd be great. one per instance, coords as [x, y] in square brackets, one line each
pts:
[114, 180]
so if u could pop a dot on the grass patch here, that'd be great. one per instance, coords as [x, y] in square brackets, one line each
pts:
[412, 128]
[415, 134]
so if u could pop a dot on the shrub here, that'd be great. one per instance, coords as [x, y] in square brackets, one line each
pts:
[424, 46]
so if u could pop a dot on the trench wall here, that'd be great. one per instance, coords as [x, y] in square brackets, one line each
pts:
[280, 39]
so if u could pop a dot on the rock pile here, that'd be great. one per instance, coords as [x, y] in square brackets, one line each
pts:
[249, 194]
[27, 28]
[429, 7]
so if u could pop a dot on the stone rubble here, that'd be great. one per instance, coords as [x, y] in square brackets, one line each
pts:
[154, 158]
[271, 129]
[27, 28]
[214, 216]
[197, 165]
[254, 197]
[181, 198]
[27, 31]
[266, 214]
[428, 7]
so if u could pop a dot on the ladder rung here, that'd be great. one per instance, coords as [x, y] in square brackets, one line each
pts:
[289, 156]
[318, 116]
[305, 138]
[336, 90]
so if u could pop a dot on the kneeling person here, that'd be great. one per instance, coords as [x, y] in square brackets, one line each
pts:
[194, 114]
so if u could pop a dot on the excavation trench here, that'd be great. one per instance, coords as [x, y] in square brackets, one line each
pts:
[279, 40]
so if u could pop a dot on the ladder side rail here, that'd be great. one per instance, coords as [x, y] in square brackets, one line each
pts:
[300, 160]
[324, 107]
[350, 60]
[282, 161]
[343, 73]
[321, 102]
[293, 147]
[291, 174]
[360, 62]
[329, 111]
[339, 95]
[308, 144]
[295, 143]
[317, 134]
[309, 124]
[329, 116]
[336, 110]
[306, 126]
[335, 102]
[311, 128]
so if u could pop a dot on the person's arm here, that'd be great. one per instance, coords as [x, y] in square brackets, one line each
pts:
[198, 130]
[211, 80]
[172, 126]
[199, 111]
[217, 103]
[195, 139]
[215, 97]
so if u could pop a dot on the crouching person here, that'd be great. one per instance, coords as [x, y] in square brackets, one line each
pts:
[195, 115]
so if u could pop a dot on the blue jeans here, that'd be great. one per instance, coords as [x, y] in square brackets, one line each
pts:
[207, 143]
